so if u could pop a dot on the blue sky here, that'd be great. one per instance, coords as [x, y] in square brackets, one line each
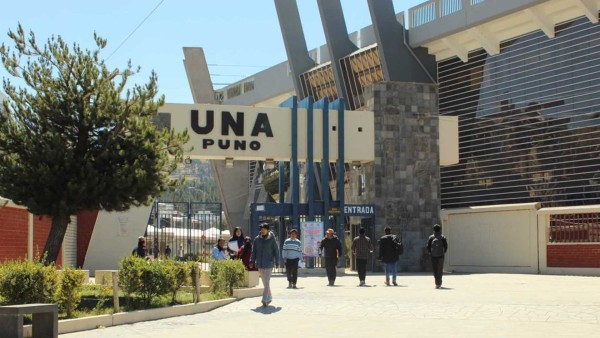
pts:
[239, 37]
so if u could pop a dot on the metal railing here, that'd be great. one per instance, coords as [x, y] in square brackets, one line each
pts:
[183, 230]
[434, 9]
[575, 228]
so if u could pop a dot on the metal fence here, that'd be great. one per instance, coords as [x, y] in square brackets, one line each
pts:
[183, 230]
[431, 10]
[575, 228]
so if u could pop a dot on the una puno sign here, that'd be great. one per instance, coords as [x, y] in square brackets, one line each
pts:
[258, 133]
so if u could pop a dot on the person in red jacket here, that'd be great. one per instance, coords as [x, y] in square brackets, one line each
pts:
[244, 253]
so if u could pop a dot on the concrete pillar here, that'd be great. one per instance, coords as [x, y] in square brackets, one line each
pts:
[404, 180]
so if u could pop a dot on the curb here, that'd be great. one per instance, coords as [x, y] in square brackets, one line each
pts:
[121, 318]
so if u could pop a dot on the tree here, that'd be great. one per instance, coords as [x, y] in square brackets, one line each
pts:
[75, 138]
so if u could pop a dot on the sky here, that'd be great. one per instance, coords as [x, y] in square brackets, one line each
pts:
[239, 37]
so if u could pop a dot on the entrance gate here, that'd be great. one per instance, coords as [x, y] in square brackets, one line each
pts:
[280, 218]
[192, 227]
[321, 134]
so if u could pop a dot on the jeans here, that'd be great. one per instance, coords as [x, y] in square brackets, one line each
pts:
[265, 277]
[361, 268]
[330, 265]
[390, 268]
[437, 263]
[291, 269]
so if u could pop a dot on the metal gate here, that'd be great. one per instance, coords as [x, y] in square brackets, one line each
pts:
[279, 217]
[183, 230]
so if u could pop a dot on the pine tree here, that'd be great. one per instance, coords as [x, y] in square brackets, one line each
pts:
[74, 137]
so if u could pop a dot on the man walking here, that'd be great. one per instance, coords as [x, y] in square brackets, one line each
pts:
[361, 248]
[388, 256]
[332, 250]
[291, 254]
[437, 245]
[265, 254]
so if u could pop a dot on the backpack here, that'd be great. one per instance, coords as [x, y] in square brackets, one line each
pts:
[437, 246]
[398, 246]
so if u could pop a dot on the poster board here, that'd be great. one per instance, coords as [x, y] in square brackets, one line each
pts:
[312, 233]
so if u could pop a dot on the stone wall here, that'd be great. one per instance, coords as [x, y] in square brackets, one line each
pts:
[404, 180]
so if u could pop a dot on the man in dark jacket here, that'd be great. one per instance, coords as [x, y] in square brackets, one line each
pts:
[388, 256]
[265, 255]
[332, 250]
[437, 245]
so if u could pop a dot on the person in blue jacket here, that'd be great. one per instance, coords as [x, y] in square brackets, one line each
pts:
[291, 254]
[218, 252]
[265, 256]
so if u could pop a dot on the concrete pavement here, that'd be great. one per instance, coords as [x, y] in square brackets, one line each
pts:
[469, 305]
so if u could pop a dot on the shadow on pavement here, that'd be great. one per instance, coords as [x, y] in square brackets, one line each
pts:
[267, 310]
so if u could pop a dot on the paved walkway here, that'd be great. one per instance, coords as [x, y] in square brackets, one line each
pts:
[469, 305]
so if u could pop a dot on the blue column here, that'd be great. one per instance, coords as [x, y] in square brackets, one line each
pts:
[295, 170]
[341, 219]
[292, 103]
[325, 191]
[310, 170]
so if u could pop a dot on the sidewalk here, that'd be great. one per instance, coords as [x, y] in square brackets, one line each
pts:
[469, 305]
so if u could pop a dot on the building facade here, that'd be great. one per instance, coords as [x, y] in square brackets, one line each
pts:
[520, 76]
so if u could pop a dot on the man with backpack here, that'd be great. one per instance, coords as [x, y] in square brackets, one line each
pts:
[437, 245]
[389, 250]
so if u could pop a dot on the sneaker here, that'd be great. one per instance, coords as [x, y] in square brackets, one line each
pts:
[264, 303]
[438, 286]
[294, 286]
[362, 283]
[330, 283]
[395, 284]
[290, 285]
[387, 283]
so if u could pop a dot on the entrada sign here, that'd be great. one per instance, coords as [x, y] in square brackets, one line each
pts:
[359, 210]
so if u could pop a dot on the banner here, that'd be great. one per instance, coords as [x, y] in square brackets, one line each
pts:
[312, 233]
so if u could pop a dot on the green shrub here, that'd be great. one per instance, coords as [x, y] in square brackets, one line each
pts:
[147, 279]
[26, 282]
[69, 285]
[129, 274]
[178, 274]
[226, 275]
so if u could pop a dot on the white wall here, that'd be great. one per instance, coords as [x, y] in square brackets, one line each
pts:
[501, 238]
[115, 235]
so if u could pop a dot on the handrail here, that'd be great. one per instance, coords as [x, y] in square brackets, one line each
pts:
[434, 9]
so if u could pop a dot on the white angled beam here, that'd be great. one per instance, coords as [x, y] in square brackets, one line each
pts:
[589, 8]
[457, 49]
[487, 40]
[542, 21]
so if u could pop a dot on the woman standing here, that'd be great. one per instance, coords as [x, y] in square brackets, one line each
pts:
[141, 247]
[244, 254]
[235, 242]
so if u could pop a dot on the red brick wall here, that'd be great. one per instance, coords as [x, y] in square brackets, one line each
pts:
[13, 233]
[86, 221]
[573, 255]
